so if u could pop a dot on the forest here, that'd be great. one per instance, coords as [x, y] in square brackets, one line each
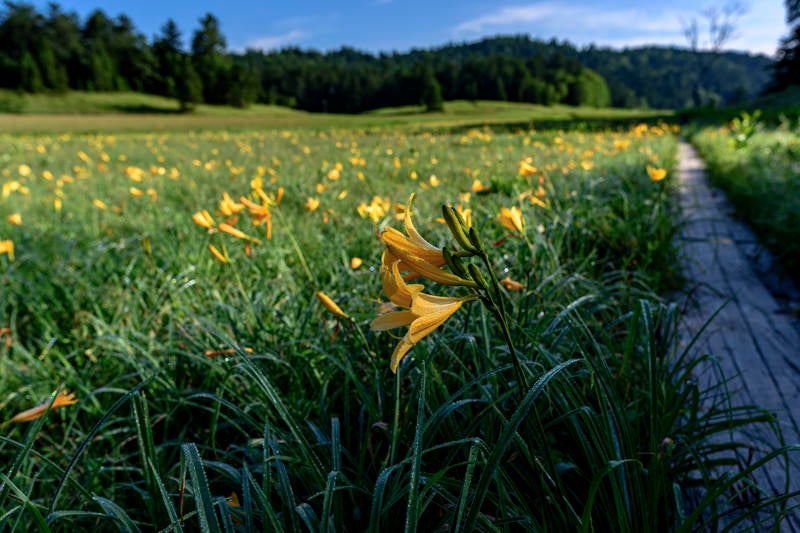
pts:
[56, 51]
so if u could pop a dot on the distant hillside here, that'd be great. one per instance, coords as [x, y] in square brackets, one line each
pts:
[647, 76]
[57, 52]
[669, 78]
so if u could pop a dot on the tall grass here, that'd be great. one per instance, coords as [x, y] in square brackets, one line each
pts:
[224, 397]
[761, 176]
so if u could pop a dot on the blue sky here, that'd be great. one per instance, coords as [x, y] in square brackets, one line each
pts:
[399, 25]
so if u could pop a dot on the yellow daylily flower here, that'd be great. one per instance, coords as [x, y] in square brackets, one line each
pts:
[7, 247]
[239, 234]
[394, 286]
[312, 204]
[33, 413]
[222, 258]
[526, 168]
[331, 306]
[412, 243]
[204, 219]
[512, 219]
[656, 174]
[15, 219]
[425, 313]
[228, 205]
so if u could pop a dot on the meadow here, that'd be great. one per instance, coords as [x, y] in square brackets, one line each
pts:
[189, 334]
[758, 167]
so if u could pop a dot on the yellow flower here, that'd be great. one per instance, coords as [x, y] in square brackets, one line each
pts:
[512, 219]
[15, 219]
[228, 206]
[24, 170]
[61, 399]
[7, 247]
[260, 214]
[356, 262]
[417, 254]
[222, 258]
[526, 169]
[312, 204]
[477, 186]
[204, 219]
[425, 312]
[331, 306]
[135, 192]
[99, 204]
[230, 230]
[412, 244]
[656, 174]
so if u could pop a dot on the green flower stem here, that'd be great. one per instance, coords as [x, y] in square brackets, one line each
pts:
[499, 311]
[396, 422]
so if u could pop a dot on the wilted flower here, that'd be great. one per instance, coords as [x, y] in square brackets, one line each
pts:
[511, 285]
[61, 399]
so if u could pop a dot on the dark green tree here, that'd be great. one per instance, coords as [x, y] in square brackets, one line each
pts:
[210, 61]
[589, 89]
[786, 70]
[29, 75]
[242, 86]
[54, 74]
[431, 91]
[167, 50]
[63, 32]
[188, 85]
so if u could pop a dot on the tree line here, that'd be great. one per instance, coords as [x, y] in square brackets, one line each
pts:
[57, 51]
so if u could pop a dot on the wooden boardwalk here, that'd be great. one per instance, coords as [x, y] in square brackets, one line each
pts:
[755, 341]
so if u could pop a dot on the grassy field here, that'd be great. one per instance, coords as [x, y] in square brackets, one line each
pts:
[170, 280]
[115, 112]
[759, 169]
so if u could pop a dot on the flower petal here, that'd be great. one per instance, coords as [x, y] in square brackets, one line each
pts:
[400, 293]
[400, 351]
[412, 232]
[394, 319]
[426, 269]
[397, 241]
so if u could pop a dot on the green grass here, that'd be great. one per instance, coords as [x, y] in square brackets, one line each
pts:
[109, 112]
[198, 380]
[761, 176]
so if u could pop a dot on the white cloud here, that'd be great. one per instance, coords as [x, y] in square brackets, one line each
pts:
[759, 30]
[507, 16]
[271, 42]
